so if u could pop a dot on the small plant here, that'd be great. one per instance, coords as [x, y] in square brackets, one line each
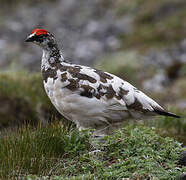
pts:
[137, 153]
[58, 152]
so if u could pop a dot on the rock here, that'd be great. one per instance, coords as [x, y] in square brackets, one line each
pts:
[88, 49]
[85, 29]
[168, 62]
[181, 104]
[182, 177]
[157, 83]
[182, 160]
[174, 69]
[167, 57]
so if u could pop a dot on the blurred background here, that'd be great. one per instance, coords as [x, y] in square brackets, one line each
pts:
[143, 42]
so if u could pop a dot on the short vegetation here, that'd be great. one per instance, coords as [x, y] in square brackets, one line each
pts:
[55, 152]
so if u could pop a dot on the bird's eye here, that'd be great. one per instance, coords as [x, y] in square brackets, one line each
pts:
[40, 38]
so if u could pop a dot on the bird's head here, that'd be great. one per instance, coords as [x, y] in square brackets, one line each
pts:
[42, 37]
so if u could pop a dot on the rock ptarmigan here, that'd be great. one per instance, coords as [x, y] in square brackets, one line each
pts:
[89, 97]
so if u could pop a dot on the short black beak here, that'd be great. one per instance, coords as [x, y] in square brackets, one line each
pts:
[27, 40]
[30, 39]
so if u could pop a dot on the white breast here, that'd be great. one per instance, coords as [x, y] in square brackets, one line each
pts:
[85, 112]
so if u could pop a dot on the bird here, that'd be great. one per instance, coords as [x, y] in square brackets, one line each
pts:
[89, 97]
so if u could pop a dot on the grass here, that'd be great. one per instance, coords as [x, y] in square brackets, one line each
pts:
[24, 99]
[169, 127]
[58, 152]
[38, 150]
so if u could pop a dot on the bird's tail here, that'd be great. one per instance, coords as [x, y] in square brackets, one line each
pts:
[165, 113]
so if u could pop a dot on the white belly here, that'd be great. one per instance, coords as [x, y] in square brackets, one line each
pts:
[85, 112]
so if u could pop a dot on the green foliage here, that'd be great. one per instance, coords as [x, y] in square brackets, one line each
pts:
[170, 127]
[59, 152]
[53, 153]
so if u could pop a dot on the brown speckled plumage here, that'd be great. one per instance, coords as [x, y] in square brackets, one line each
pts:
[89, 97]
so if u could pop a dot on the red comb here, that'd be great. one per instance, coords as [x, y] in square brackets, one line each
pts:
[39, 31]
